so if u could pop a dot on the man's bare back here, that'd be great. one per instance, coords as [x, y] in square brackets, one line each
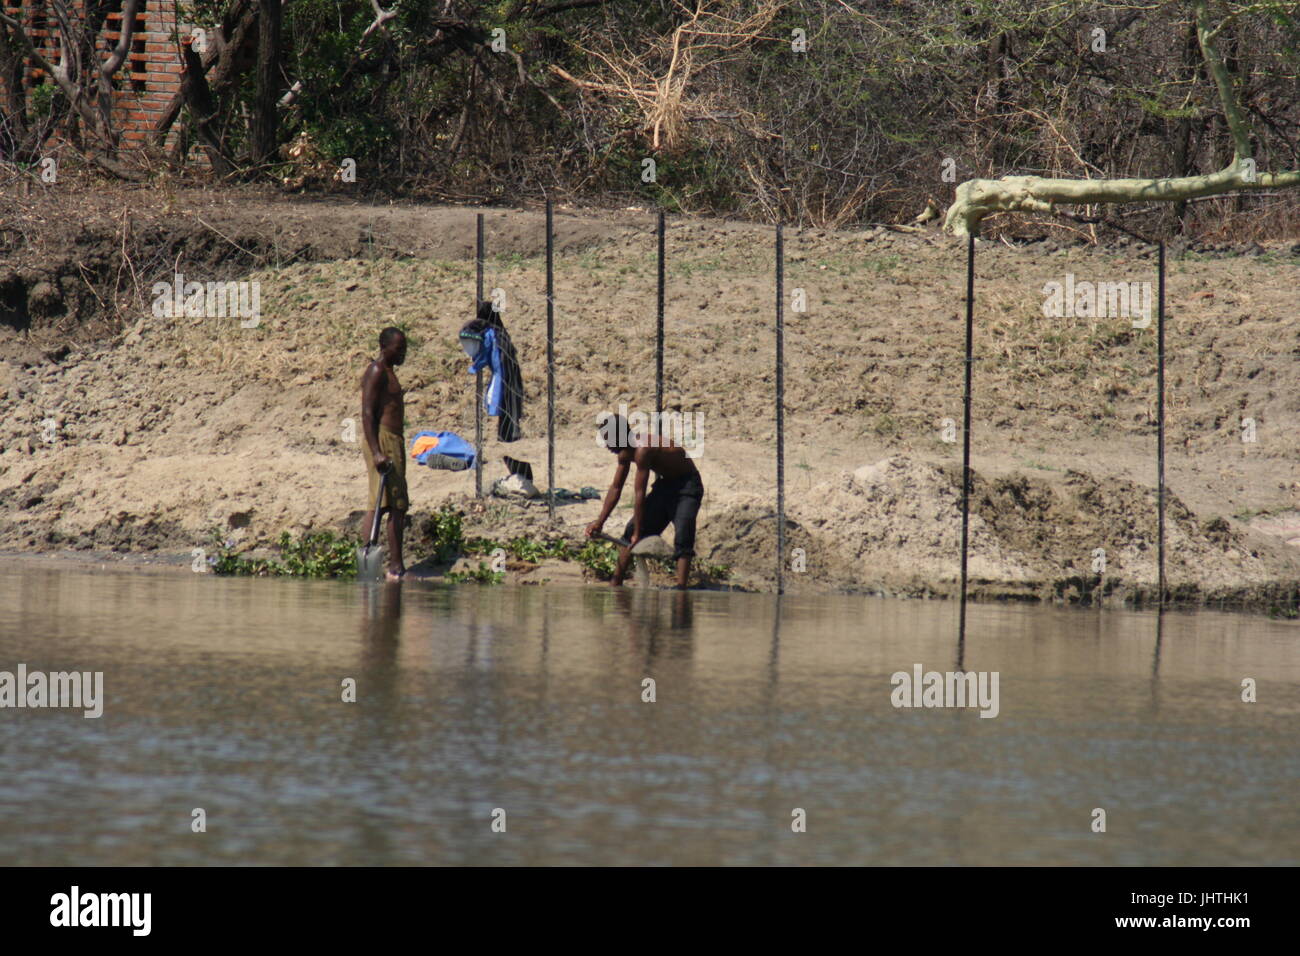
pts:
[661, 456]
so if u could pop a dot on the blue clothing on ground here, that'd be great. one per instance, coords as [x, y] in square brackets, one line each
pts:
[450, 445]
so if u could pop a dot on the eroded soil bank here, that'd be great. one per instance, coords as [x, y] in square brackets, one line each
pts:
[129, 433]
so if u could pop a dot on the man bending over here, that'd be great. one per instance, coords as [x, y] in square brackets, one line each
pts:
[675, 497]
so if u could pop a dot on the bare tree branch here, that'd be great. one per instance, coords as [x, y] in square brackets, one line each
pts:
[382, 16]
[118, 56]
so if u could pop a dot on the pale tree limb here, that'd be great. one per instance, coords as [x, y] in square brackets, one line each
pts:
[977, 198]
[382, 17]
[1222, 82]
[104, 77]
[118, 56]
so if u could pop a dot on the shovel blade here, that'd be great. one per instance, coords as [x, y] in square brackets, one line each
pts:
[652, 546]
[370, 563]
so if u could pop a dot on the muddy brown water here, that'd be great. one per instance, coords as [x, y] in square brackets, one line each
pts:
[527, 705]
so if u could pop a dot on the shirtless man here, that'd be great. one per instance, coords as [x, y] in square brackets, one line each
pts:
[675, 497]
[385, 451]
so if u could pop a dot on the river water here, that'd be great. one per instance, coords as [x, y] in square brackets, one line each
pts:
[486, 708]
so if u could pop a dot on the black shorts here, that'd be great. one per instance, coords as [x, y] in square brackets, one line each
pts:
[675, 500]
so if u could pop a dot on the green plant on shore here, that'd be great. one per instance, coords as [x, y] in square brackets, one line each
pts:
[445, 526]
[319, 554]
[531, 549]
[600, 557]
[446, 529]
[715, 572]
[482, 574]
[478, 545]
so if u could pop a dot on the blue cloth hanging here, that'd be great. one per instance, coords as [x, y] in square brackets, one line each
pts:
[489, 356]
[488, 345]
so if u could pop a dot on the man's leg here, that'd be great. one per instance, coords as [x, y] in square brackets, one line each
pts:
[686, 510]
[620, 570]
[397, 497]
[655, 515]
[396, 524]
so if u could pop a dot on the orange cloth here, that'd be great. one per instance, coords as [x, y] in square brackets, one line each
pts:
[423, 444]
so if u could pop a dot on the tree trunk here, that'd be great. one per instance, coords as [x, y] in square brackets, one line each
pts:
[222, 64]
[203, 108]
[1183, 164]
[13, 111]
[265, 124]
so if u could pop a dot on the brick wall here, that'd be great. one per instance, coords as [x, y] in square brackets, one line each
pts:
[148, 79]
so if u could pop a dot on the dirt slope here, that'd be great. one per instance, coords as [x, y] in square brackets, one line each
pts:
[164, 429]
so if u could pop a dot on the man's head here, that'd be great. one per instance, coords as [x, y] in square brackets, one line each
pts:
[392, 345]
[614, 432]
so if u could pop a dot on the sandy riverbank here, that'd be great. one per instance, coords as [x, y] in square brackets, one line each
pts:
[164, 430]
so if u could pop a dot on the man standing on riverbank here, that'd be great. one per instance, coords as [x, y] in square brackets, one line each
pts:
[676, 496]
[382, 421]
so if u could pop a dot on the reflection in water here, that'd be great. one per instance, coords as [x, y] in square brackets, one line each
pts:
[380, 640]
[381, 625]
[225, 694]
[659, 623]
[1155, 659]
[771, 725]
[774, 657]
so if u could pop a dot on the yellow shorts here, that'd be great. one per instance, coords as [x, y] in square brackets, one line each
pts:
[395, 494]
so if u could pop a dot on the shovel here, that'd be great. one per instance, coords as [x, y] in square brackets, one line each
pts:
[370, 558]
[649, 546]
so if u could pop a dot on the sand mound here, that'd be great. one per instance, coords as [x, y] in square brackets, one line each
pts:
[895, 525]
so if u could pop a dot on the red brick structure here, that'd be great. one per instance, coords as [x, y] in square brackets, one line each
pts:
[148, 79]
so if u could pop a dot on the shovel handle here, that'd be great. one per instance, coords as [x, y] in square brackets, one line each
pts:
[374, 527]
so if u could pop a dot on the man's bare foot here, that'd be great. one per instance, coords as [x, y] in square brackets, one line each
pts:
[395, 574]
[616, 582]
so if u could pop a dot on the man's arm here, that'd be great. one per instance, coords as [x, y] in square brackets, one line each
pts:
[638, 488]
[371, 399]
[611, 497]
